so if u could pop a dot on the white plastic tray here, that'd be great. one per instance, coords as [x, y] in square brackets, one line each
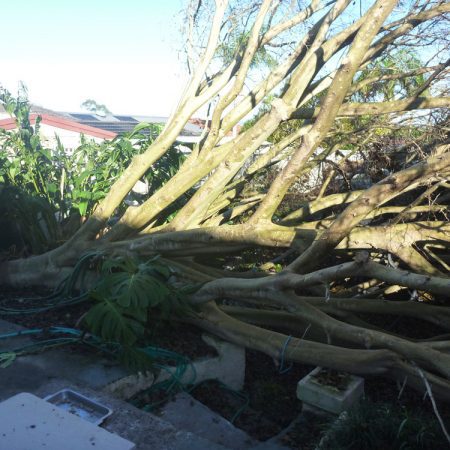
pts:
[81, 406]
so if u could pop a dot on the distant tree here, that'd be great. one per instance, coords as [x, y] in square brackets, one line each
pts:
[92, 106]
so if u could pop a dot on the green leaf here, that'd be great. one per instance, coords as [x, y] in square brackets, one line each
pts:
[12, 172]
[139, 127]
[87, 195]
[51, 187]
[98, 195]
[160, 269]
[106, 319]
[135, 359]
[82, 207]
[128, 289]
[139, 290]
[82, 177]
[44, 151]
[6, 359]
[123, 264]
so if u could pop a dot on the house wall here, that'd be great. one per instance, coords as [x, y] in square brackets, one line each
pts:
[69, 139]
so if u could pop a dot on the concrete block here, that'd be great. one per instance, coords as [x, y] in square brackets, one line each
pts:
[126, 387]
[28, 422]
[328, 397]
[228, 367]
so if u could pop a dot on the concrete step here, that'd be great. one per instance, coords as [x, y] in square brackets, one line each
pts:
[186, 413]
[145, 430]
[184, 425]
[51, 371]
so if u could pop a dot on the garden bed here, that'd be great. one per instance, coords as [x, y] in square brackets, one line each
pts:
[268, 403]
[164, 334]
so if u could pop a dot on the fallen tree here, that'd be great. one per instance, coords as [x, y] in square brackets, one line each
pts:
[343, 253]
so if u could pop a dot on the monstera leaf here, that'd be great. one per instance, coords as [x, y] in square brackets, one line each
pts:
[127, 292]
[113, 323]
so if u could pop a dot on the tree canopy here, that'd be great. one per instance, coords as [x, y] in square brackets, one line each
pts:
[97, 108]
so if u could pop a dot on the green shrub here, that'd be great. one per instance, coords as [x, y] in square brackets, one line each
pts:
[375, 426]
[72, 183]
[27, 223]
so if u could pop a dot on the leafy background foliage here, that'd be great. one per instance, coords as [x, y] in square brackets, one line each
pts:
[68, 183]
[385, 90]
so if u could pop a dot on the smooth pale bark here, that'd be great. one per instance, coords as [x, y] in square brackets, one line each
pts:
[330, 106]
[438, 315]
[363, 362]
[193, 213]
[287, 281]
[433, 359]
[366, 203]
[309, 208]
[377, 108]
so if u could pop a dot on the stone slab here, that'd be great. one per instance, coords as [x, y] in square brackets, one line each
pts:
[186, 413]
[28, 373]
[228, 367]
[28, 422]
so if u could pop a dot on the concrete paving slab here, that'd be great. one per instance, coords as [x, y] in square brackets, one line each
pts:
[228, 367]
[47, 373]
[186, 413]
[9, 343]
[28, 373]
[27, 422]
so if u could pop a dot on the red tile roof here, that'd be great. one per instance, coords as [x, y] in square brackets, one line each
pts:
[65, 124]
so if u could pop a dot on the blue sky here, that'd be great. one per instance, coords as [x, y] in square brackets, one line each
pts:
[123, 54]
